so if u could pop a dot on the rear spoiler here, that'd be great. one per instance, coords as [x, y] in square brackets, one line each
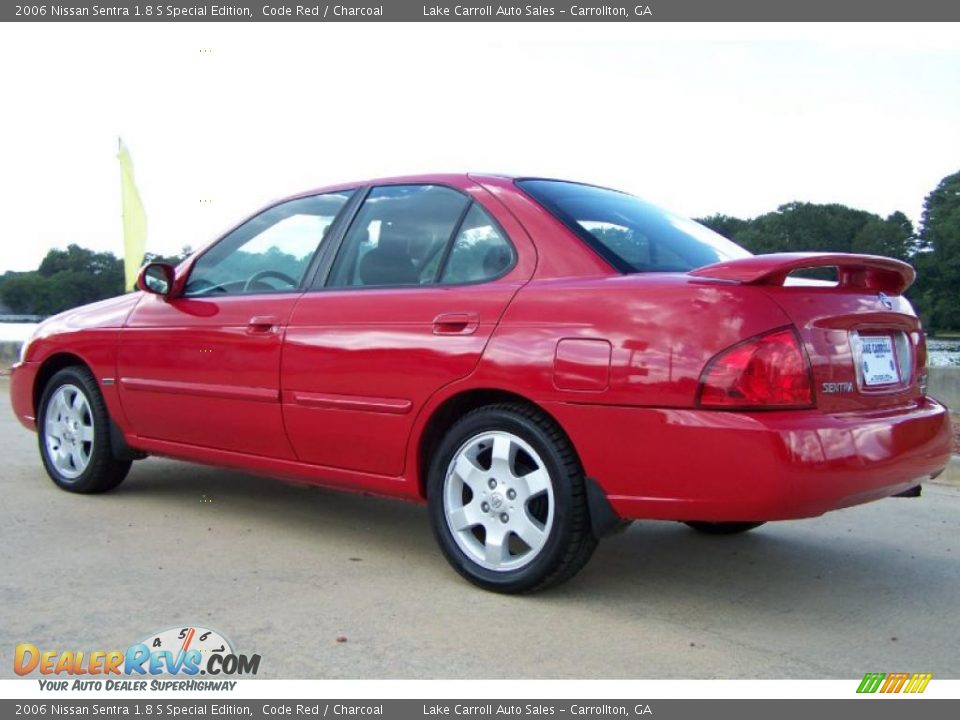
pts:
[863, 272]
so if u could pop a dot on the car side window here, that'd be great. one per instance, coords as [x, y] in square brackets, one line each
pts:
[270, 252]
[398, 237]
[480, 251]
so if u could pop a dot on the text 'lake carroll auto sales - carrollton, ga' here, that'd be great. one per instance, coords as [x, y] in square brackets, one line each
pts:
[500, 709]
[537, 11]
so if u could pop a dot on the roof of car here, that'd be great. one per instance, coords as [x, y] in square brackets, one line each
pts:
[420, 179]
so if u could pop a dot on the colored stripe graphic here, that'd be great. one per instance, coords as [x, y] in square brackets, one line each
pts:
[894, 682]
[871, 682]
[918, 682]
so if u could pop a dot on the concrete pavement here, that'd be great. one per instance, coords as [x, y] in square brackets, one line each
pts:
[284, 571]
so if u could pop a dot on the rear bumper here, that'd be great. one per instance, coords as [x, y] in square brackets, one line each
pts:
[22, 378]
[677, 464]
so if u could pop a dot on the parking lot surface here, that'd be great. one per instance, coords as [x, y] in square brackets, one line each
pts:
[330, 585]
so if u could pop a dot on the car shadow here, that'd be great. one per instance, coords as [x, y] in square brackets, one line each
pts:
[776, 569]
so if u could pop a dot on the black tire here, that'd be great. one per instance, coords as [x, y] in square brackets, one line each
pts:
[723, 528]
[570, 541]
[102, 472]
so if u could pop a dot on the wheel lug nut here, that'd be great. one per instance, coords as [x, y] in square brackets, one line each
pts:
[485, 507]
[492, 483]
[504, 517]
[511, 494]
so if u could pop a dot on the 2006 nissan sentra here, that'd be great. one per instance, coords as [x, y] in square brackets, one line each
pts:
[538, 360]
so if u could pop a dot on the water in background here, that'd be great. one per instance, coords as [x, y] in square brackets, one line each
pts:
[943, 353]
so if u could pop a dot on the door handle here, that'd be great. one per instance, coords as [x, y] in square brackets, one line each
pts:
[260, 324]
[456, 323]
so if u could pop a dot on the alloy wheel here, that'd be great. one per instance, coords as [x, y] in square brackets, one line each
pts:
[69, 431]
[498, 501]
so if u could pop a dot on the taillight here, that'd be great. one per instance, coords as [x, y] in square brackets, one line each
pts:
[768, 371]
[921, 342]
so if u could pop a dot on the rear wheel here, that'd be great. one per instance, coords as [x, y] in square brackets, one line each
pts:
[723, 528]
[507, 500]
[73, 429]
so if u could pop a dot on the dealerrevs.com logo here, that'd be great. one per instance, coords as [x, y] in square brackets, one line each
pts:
[181, 651]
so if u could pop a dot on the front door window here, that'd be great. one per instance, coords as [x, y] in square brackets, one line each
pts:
[269, 253]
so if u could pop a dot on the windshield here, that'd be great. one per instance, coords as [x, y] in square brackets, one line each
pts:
[632, 235]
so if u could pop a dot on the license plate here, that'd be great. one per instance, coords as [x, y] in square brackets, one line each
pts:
[877, 363]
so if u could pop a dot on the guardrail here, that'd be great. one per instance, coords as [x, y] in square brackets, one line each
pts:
[21, 318]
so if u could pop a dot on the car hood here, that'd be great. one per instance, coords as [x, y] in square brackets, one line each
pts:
[109, 313]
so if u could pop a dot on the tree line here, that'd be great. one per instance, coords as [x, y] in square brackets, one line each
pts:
[76, 276]
[68, 278]
[934, 250]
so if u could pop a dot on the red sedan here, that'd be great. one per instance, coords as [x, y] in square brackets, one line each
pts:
[538, 360]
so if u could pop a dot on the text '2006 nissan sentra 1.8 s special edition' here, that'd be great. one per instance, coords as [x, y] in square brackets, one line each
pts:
[537, 360]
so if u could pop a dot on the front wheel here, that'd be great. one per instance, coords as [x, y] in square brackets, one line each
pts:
[723, 528]
[73, 429]
[507, 500]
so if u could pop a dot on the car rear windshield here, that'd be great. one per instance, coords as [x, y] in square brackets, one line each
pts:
[632, 235]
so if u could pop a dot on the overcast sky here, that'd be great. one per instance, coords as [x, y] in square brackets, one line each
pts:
[700, 118]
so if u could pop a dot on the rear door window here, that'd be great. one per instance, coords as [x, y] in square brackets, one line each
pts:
[399, 236]
[480, 252]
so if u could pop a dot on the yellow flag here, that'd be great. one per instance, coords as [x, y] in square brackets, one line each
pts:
[134, 221]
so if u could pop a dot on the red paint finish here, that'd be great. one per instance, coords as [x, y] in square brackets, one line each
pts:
[677, 463]
[206, 372]
[377, 343]
[338, 386]
[861, 272]
[582, 364]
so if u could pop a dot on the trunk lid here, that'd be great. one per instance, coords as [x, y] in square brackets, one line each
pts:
[861, 335]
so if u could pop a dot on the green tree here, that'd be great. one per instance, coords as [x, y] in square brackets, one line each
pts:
[65, 279]
[808, 227]
[893, 237]
[78, 259]
[169, 259]
[726, 225]
[937, 291]
[934, 251]
[26, 293]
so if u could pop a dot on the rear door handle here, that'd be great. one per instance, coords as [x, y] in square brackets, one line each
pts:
[261, 324]
[456, 323]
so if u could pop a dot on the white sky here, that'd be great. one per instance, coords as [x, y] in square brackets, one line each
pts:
[700, 118]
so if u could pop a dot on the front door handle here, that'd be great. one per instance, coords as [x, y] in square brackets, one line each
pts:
[260, 324]
[456, 323]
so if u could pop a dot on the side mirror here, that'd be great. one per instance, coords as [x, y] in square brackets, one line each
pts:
[156, 278]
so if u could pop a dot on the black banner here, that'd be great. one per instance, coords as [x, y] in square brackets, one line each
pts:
[854, 709]
[447, 11]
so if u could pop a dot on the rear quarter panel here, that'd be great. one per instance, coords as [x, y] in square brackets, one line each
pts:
[661, 330]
